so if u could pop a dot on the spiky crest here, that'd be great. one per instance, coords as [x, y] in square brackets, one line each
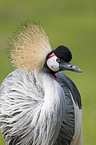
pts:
[30, 46]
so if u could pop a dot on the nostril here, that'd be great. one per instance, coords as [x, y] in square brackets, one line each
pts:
[70, 65]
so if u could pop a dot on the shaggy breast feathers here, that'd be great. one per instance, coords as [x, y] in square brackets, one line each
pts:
[30, 114]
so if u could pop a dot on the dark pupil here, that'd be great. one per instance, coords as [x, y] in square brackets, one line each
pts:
[58, 60]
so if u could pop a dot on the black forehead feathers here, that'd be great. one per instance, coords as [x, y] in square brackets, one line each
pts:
[63, 53]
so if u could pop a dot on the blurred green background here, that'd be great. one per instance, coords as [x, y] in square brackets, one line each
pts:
[68, 22]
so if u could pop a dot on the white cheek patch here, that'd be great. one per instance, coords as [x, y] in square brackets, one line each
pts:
[53, 64]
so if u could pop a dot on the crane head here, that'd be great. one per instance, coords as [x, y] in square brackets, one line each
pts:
[30, 49]
[58, 60]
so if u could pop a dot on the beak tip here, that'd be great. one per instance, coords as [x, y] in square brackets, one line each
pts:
[79, 70]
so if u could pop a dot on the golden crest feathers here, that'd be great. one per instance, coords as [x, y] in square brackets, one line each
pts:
[30, 46]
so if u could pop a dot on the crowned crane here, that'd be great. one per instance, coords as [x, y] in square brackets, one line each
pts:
[39, 105]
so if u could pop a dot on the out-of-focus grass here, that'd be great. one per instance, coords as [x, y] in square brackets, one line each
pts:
[67, 22]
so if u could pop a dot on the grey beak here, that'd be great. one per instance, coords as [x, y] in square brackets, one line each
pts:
[69, 66]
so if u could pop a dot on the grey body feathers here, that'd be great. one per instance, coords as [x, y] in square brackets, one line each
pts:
[35, 109]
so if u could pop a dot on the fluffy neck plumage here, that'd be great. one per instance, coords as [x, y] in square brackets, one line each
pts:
[33, 106]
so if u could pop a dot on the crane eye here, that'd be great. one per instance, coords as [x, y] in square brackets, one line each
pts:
[58, 60]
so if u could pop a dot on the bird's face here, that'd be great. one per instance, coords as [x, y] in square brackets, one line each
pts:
[52, 62]
[58, 60]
